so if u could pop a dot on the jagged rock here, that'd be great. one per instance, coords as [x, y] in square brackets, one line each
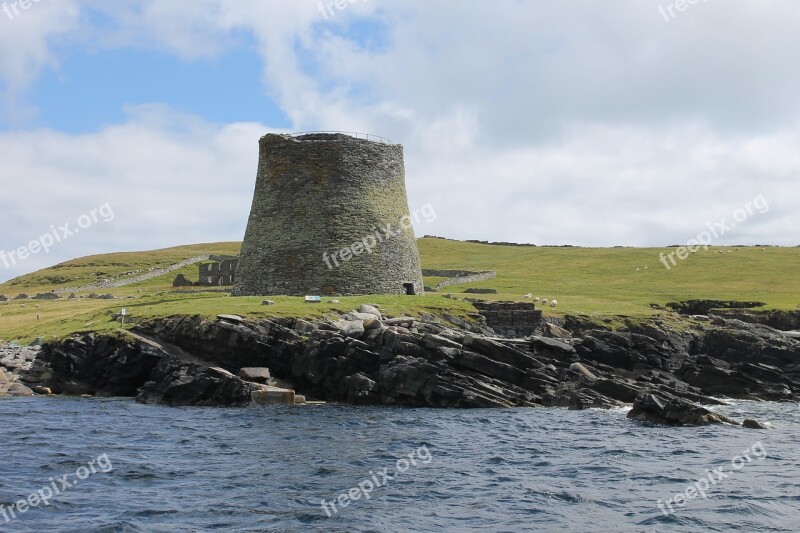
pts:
[735, 341]
[94, 364]
[749, 423]
[702, 307]
[360, 389]
[619, 389]
[578, 324]
[488, 367]
[673, 411]
[189, 360]
[553, 349]
[621, 350]
[500, 352]
[555, 332]
[176, 382]
[430, 340]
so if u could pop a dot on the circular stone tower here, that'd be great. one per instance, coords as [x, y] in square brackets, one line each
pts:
[329, 216]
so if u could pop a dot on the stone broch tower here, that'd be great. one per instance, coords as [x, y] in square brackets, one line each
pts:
[316, 195]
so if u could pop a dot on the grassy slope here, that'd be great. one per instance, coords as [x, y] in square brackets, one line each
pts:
[87, 270]
[595, 281]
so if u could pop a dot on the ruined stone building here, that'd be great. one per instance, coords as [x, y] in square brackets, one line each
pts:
[221, 272]
[322, 206]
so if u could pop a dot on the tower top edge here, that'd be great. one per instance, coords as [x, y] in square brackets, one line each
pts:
[329, 136]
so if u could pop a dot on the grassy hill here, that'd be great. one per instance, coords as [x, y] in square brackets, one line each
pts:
[591, 281]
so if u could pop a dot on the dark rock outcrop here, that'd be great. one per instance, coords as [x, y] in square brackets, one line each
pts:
[670, 410]
[702, 307]
[176, 382]
[367, 358]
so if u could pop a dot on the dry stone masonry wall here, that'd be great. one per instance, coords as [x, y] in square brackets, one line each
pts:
[458, 277]
[510, 319]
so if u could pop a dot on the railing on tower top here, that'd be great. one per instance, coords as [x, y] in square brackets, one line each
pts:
[367, 136]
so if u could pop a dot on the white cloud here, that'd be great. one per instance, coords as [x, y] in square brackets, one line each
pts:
[26, 40]
[170, 179]
[547, 122]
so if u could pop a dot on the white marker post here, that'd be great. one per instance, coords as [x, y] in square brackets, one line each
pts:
[122, 315]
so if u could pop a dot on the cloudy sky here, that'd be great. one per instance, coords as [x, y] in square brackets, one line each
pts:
[552, 122]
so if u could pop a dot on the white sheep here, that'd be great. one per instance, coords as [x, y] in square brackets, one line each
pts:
[544, 301]
[536, 299]
[529, 295]
[554, 303]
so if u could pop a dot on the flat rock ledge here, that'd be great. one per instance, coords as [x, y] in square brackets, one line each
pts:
[366, 358]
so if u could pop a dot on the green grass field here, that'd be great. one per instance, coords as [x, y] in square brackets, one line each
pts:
[601, 282]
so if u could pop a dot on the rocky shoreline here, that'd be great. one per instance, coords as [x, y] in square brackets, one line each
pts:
[665, 372]
[14, 361]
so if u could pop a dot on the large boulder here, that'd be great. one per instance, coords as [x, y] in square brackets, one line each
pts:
[370, 310]
[670, 410]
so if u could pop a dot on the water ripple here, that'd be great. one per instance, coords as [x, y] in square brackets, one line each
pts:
[269, 469]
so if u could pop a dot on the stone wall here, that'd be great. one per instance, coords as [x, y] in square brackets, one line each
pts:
[501, 243]
[510, 319]
[122, 282]
[458, 277]
[317, 195]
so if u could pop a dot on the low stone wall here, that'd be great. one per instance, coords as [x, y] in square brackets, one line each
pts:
[458, 277]
[510, 319]
[152, 273]
[501, 243]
